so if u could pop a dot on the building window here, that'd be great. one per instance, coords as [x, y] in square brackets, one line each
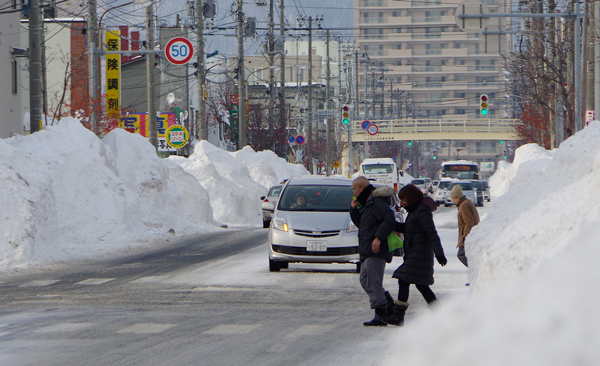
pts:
[13, 71]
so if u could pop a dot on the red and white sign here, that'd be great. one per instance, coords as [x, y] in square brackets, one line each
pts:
[179, 51]
[372, 129]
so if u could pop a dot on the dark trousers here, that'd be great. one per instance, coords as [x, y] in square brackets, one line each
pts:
[462, 256]
[403, 288]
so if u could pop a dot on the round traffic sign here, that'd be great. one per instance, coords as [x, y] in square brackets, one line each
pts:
[299, 139]
[372, 129]
[179, 51]
[291, 139]
[365, 124]
[177, 136]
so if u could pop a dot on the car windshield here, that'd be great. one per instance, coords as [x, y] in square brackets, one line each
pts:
[418, 182]
[444, 185]
[378, 169]
[485, 184]
[316, 198]
[478, 185]
[466, 186]
[275, 191]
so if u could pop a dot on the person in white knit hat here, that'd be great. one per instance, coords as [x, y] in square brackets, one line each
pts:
[467, 218]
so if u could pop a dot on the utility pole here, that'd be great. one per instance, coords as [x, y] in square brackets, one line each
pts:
[282, 114]
[271, 49]
[597, 61]
[150, 75]
[312, 140]
[202, 125]
[241, 77]
[92, 40]
[327, 97]
[35, 68]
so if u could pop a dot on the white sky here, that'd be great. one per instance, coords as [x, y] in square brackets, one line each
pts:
[68, 196]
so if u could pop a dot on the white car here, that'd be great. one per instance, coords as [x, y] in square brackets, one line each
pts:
[467, 188]
[269, 202]
[442, 192]
[422, 184]
[486, 190]
[311, 223]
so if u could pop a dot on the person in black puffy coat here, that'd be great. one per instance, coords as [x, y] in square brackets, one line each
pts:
[371, 213]
[421, 242]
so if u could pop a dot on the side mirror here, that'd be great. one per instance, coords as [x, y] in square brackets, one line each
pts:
[262, 198]
[268, 206]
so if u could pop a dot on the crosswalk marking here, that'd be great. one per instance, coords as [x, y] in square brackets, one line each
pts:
[36, 283]
[233, 329]
[146, 328]
[65, 327]
[95, 281]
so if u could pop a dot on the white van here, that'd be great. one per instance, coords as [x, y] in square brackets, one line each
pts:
[381, 171]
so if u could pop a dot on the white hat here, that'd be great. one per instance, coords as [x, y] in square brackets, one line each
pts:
[456, 192]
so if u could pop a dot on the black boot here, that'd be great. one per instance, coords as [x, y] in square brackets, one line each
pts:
[397, 317]
[377, 321]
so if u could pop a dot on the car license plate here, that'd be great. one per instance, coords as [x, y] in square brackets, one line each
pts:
[316, 246]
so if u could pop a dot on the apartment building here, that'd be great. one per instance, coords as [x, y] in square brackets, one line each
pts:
[416, 61]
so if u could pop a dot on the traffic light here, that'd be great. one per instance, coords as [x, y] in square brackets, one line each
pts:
[504, 154]
[434, 154]
[345, 115]
[409, 143]
[483, 104]
[501, 142]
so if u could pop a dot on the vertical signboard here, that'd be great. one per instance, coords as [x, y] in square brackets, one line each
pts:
[163, 122]
[113, 75]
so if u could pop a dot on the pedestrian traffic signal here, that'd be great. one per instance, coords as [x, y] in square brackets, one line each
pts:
[483, 104]
[504, 154]
[409, 143]
[434, 154]
[345, 115]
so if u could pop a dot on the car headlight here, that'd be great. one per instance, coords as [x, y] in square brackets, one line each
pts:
[351, 227]
[280, 224]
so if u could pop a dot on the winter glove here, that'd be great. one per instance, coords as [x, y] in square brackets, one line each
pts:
[442, 260]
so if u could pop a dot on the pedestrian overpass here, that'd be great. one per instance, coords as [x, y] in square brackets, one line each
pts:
[420, 129]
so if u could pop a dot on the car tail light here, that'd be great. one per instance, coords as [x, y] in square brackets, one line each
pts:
[266, 200]
[395, 186]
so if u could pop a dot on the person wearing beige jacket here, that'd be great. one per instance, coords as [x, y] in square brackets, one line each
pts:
[467, 218]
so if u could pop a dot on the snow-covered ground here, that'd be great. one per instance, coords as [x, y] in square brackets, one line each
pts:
[68, 196]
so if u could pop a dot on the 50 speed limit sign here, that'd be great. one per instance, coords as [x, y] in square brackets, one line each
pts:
[179, 51]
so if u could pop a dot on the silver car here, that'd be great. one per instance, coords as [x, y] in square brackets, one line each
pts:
[272, 197]
[311, 223]
[467, 188]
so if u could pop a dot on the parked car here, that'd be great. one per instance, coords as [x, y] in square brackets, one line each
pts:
[442, 192]
[422, 184]
[311, 223]
[269, 201]
[467, 188]
[486, 190]
[478, 186]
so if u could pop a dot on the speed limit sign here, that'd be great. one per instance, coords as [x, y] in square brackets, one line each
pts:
[179, 51]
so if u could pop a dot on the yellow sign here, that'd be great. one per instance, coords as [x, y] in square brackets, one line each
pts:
[113, 75]
[336, 163]
[177, 136]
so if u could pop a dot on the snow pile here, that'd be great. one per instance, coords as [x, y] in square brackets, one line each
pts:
[532, 268]
[68, 195]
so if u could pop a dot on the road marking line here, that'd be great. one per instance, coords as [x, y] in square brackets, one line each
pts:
[36, 283]
[95, 281]
[65, 327]
[309, 330]
[233, 329]
[146, 328]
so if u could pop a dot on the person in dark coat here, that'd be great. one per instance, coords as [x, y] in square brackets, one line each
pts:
[371, 213]
[421, 242]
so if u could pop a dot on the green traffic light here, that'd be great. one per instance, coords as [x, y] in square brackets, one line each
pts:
[409, 143]
[484, 112]
[501, 142]
[346, 121]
